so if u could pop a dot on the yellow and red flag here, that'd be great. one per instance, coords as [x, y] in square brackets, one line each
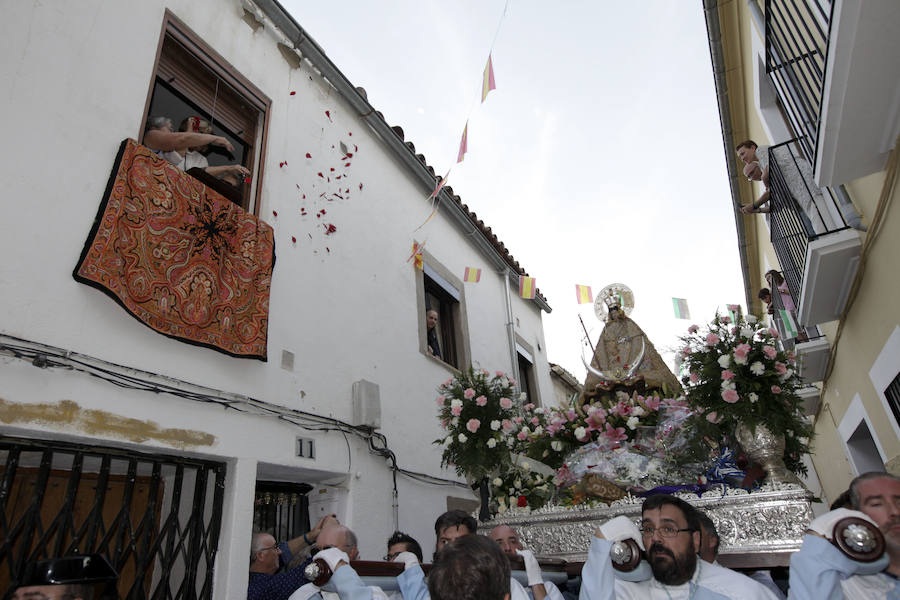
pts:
[472, 275]
[416, 255]
[583, 294]
[527, 287]
[463, 144]
[488, 83]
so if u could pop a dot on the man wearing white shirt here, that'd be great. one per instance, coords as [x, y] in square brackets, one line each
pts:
[670, 533]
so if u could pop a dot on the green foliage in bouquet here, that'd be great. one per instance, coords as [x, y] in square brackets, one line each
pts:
[520, 487]
[476, 410]
[737, 374]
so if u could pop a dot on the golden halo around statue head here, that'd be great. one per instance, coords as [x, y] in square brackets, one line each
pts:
[616, 295]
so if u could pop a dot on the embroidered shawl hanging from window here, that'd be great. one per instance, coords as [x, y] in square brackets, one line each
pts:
[179, 257]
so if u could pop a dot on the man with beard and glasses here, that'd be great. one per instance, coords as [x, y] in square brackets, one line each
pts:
[821, 571]
[670, 535]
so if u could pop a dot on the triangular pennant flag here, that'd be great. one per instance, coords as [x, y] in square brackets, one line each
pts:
[488, 83]
[583, 294]
[526, 287]
[439, 185]
[472, 275]
[790, 325]
[681, 308]
[416, 255]
[463, 144]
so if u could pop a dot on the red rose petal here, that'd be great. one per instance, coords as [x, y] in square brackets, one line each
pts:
[308, 155]
[360, 186]
[320, 174]
[246, 180]
[355, 147]
[293, 93]
[331, 169]
[328, 114]
[293, 239]
[327, 249]
[274, 213]
[346, 164]
[349, 133]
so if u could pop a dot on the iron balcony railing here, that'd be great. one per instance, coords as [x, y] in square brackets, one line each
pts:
[804, 334]
[800, 212]
[797, 34]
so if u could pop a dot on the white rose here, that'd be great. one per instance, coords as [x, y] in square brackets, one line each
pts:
[724, 361]
[497, 483]
[752, 397]
[495, 425]
[579, 432]
[501, 507]
[510, 442]
[787, 375]
[517, 483]
[740, 360]
[449, 440]
[556, 445]
[491, 443]
[454, 421]
[525, 465]
[728, 384]
[538, 430]
[539, 411]
[757, 368]
[455, 402]
[751, 319]
[632, 422]
[525, 429]
[523, 396]
[638, 411]
[462, 438]
[746, 332]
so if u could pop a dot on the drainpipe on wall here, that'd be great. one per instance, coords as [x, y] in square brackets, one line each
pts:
[848, 211]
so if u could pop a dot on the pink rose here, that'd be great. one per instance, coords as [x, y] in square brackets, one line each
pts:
[522, 436]
[694, 377]
[512, 381]
[726, 319]
[776, 389]
[469, 393]
[686, 351]
[473, 425]
[735, 330]
[652, 403]
[505, 403]
[499, 373]
[570, 414]
[770, 352]
[693, 329]
[742, 350]
[517, 420]
[712, 339]
[713, 417]
[780, 368]
[507, 425]
[730, 396]
[727, 374]
[481, 400]
[455, 410]
[444, 423]
[529, 406]
[773, 332]
[535, 421]
[440, 400]
[447, 383]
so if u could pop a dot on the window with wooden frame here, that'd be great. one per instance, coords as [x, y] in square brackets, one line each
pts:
[191, 79]
[440, 291]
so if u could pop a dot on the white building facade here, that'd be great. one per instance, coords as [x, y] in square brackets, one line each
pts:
[89, 395]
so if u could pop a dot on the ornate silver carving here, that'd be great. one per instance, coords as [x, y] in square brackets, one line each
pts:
[620, 553]
[311, 571]
[859, 538]
[772, 519]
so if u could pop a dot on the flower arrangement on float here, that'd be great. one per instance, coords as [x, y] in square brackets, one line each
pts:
[738, 379]
[476, 410]
[521, 487]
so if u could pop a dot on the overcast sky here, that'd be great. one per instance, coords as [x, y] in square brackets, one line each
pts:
[598, 158]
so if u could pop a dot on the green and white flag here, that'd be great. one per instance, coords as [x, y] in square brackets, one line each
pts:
[734, 311]
[790, 325]
[681, 308]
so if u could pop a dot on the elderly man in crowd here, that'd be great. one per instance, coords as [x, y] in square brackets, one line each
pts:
[821, 571]
[670, 534]
[471, 568]
[269, 578]
[448, 527]
[337, 546]
[509, 542]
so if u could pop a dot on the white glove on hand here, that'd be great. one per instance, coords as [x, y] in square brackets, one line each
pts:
[532, 568]
[332, 557]
[622, 528]
[824, 525]
[408, 559]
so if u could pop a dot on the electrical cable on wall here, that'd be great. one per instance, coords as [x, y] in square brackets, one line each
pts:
[44, 356]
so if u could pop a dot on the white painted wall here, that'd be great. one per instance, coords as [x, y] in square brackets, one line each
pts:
[76, 80]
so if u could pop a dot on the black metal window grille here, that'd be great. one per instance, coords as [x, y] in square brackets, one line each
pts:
[892, 393]
[793, 227]
[155, 518]
[281, 509]
[797, 34]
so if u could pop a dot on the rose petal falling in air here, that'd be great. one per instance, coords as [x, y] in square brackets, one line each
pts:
[328, 114]
[293, 93]
[293, 239]
[308, 155]
[274, 213]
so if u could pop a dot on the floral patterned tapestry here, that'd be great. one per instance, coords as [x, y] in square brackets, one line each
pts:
[179, 257]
